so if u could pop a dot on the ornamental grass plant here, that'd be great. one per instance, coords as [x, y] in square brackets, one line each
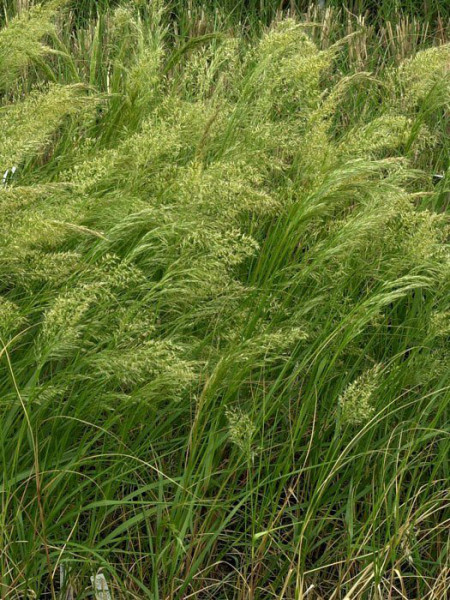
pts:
[224, 309]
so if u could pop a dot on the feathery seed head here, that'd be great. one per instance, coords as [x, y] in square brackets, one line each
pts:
[355, 402]
[241, 431]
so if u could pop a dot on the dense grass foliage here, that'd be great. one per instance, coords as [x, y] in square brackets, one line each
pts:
[224, 312]
[381, 9]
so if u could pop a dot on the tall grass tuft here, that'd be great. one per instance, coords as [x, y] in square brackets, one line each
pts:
[224, 309]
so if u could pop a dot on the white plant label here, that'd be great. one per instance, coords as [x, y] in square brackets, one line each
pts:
[100, 586]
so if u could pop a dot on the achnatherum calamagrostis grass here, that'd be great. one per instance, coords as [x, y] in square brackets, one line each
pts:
[224, 315]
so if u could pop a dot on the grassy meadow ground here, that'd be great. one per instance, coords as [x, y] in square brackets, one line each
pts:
[224, 301]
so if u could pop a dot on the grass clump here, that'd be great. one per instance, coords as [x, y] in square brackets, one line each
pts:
[22, 42]
[223, 315]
